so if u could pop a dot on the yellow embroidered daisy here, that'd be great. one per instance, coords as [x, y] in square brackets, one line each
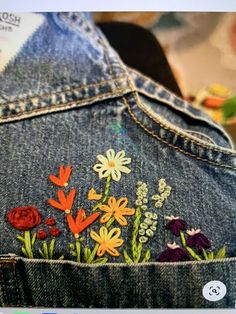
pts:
[108, 241]
[117, 209]
[112, 164]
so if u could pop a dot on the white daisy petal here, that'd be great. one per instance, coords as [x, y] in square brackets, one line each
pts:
[116, 175]
[102, 159]
[120, 155]
[104, 173]
[125, 161]
[124, 169]
[98, 167]
[110, 154]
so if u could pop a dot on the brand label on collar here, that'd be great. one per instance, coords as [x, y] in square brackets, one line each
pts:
[15, 29]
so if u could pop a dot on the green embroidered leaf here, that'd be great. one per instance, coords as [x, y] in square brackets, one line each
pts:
[51, 248]
[33, 239]
[101, 260]
[24, 251]
[127, 258]
[28, 244]
[138, 253]
[61, 257]
[206, 257]
[211, 255]
[20, 238]
[72, 246]
[45, 250]
[41, 253]
[193, 254]
[221, 253]
[74, 253]
[87, 253]
[93, 254]
[147, 256]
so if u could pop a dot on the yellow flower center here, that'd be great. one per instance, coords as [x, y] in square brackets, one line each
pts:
[111, 163]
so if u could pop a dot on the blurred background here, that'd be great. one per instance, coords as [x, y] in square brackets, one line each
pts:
[201, 51]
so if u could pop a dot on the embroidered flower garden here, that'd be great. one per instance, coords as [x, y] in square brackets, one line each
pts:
[105, 221]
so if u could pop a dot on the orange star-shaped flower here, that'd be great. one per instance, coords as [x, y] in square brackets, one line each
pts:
[65, 202]
[64, 176]
[80, 223]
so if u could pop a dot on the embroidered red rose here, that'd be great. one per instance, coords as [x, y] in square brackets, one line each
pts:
[50, 222]
[41, 234]
[24, 218]
[54, 232]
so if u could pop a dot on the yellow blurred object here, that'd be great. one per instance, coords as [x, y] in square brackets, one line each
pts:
[219, 90]
[217, 116]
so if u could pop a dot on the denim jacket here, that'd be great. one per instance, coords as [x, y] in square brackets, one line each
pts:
[114, 192]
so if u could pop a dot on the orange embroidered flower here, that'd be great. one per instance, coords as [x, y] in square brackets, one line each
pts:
[64, 176]
[117, 209]
[92, 195]
[108, 241]
[65, 202]
[81, 222]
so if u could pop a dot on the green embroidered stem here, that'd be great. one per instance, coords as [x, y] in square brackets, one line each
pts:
[127, 258]
[183, 240]
[190, 251]
[193, 254]
[110, 222]
[87, 253]
[147, 256]
[27, 242]
[45, 250]
[33, 239]
[205, 255]
[51, 248]
[20, 238]
[135, 231]
[24, 251]
[78, 249]
[93, 254]
[138, 253]
[100, 260]
[107, 189]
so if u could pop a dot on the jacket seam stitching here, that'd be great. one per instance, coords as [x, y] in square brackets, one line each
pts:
[65, 91]
[183, 110]
[171, 145]
[46, 109]
[147, 111]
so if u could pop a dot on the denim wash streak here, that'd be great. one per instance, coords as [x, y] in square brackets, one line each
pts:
[67, 98]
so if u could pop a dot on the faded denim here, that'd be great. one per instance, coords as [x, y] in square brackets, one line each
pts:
[66, 98]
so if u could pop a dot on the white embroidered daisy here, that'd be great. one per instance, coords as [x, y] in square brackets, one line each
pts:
[112, 164]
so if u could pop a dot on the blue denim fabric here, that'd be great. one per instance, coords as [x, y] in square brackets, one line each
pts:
[67, 98]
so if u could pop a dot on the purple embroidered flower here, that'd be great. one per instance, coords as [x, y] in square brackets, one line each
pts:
[174, 253]
[197, 239]
[176, 225]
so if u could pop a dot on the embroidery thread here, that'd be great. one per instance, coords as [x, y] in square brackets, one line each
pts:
[194, 244]
[107, 210]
